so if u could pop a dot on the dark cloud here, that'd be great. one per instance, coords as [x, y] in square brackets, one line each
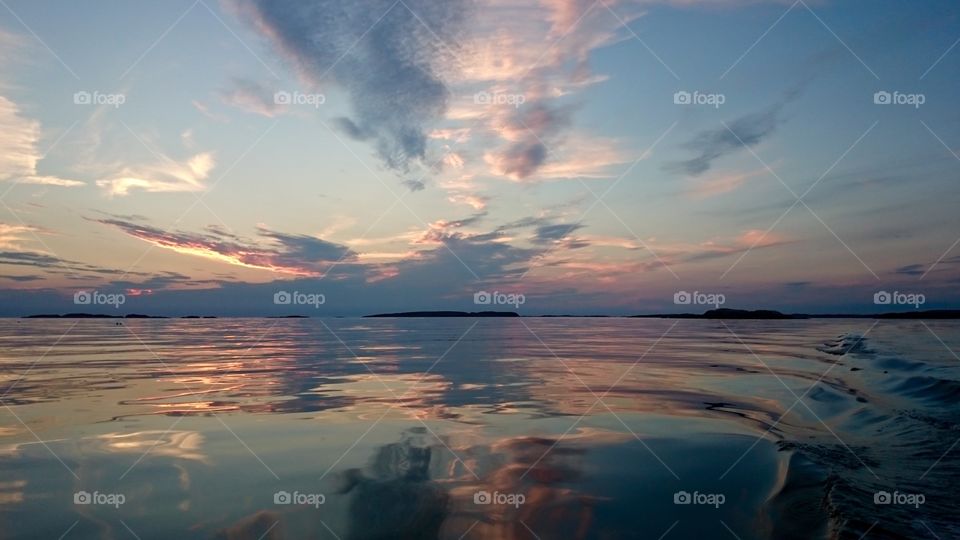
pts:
[532, 127]
[298, 248]
[748, 130]
[414, 185]
[388, 56]
[22, 278]
[911, 270]
[546, 234]
[24, 258]
[713, 144]
[51, 263]
[521, 159]
[290, 253]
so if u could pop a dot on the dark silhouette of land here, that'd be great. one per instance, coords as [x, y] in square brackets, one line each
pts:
[448, 314]
[726, 313]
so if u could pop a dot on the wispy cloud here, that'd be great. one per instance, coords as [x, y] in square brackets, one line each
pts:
[163, 176]
[722, 183]
[744, 132]
[19, 154]
[250, 96]
[284, 253]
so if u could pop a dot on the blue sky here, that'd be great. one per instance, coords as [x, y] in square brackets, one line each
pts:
[432, 151]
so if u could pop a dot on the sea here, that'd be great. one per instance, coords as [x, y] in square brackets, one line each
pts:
[473, 428]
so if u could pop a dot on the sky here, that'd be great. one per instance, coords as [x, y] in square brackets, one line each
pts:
[271, 157]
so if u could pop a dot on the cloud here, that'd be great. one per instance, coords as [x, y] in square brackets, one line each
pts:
[747, 131]
[18, 149]
[519, 160]
[388, 56]
[12, 236]
[165, 176]
[912, 269]
[414, 185]
[250, 96]
[294, 254]
[713, 144]
[23, 279]
[477, 202]
[546, 234]
[723, 183]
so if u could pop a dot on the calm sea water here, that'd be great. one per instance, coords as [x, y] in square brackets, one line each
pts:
[465, 428]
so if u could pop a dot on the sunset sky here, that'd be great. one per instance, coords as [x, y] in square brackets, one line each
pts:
[430, 150]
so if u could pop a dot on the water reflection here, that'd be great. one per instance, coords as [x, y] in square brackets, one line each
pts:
[199, 423]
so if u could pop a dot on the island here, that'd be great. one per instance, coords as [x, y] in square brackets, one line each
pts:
[447, 314]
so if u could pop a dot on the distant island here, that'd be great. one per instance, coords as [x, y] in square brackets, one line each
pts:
[726, 313]
[93, 316]
[108, 316]
[767, 314]
[447, 314]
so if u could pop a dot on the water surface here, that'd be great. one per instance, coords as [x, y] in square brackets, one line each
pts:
[478, 428]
